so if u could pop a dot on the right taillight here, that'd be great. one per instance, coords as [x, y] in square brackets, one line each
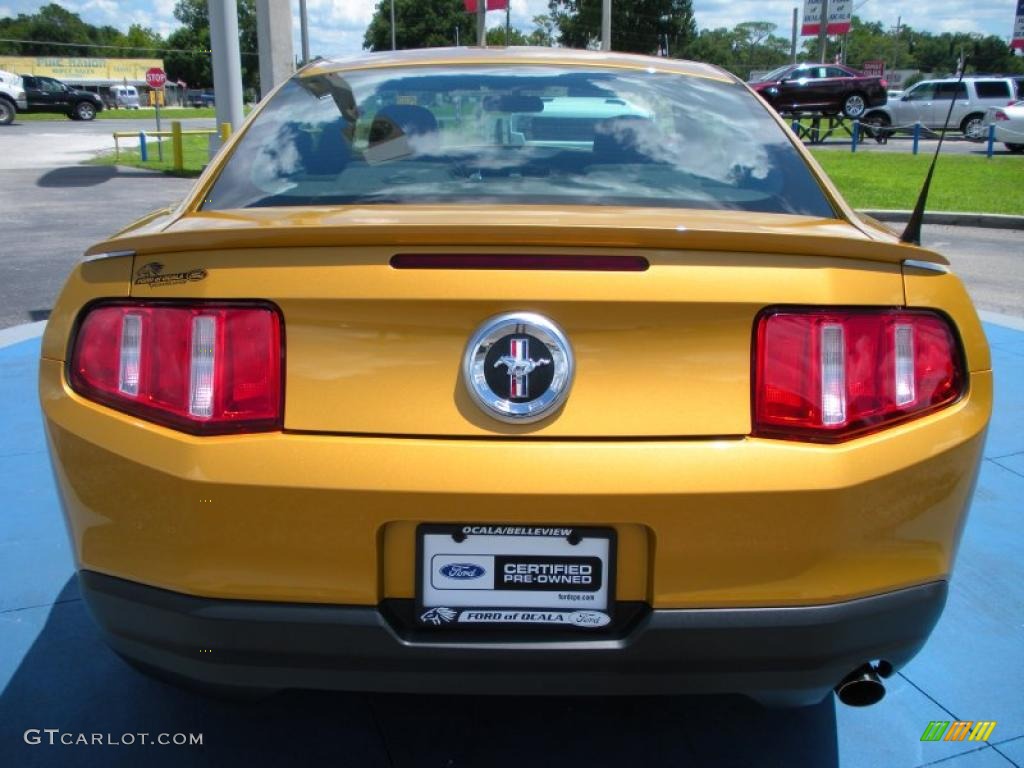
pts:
[205, 368]
[1000, 115]
[832, 374]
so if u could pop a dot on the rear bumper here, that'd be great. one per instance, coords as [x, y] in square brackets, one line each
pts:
[781, 656]
[331, 519]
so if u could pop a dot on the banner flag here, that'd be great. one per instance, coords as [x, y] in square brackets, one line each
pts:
[492, 5]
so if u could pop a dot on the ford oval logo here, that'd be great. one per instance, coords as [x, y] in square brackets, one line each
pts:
[462, 571]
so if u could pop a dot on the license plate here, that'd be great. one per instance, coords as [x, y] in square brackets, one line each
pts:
[547, 575]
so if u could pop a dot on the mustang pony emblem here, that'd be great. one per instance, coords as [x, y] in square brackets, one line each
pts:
[520, 366]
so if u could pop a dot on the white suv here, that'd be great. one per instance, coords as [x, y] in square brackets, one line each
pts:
[12, 97]
[928, 101]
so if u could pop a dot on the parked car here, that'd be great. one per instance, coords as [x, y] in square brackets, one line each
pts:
[199, 99]
[125, 96]
[46, 94]
[928, 102]
[827, 88]
[1009, 123]
[12, 97]
[394, 401]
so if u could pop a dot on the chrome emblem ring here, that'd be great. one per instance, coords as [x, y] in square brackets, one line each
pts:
[518, 367]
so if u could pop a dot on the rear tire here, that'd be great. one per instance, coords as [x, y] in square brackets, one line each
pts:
[855, 105]
[973, 127]
[875, 125]
[7, 112]
[85, 110]
[1018, 148]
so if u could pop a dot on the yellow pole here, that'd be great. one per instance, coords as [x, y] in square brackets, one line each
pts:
[179, 150]
[225, 131]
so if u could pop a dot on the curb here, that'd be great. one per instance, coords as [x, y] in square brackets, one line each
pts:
[19, 333]
[986, 220]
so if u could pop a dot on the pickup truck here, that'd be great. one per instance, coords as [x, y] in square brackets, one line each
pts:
[46, 94]
[12, 97]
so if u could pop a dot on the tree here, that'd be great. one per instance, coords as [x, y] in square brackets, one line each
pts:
[196, 68]
[54, 24]
[543, 31]
[638, 26]
[761, 47]
[496, 36]
[421, 24]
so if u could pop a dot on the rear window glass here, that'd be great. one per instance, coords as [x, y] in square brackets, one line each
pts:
[522, 135]
[992, 89]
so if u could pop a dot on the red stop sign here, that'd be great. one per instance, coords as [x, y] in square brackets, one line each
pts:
[156, 77]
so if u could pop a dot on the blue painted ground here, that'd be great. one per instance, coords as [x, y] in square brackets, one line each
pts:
[55, 672]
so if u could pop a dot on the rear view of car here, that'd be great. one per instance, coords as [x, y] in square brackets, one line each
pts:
[417, 393]
[125, 96]
[1009, 125]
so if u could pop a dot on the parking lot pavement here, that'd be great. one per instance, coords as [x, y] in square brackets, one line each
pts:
[49, 216]
[56, 673]
[56, 143]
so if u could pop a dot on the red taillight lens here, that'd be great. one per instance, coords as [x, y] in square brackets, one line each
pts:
[829, 375]
[201, 368]
[1000, 115]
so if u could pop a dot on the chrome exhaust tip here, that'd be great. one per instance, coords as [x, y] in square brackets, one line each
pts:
[862, 687]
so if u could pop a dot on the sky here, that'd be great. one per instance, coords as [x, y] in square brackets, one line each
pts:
[336, 26]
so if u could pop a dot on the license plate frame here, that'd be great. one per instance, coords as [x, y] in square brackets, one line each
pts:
[559, 591]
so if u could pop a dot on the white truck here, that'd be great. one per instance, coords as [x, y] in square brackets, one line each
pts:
[12, 96]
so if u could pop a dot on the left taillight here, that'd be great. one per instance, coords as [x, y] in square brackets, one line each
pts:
[202, 368]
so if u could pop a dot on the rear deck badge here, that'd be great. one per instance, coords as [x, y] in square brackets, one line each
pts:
[518, 367]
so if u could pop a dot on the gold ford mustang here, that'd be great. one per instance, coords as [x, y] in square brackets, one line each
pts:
[515, 371]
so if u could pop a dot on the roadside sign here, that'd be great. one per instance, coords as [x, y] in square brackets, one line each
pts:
[156, 77]
[873, 68]
[840, 15]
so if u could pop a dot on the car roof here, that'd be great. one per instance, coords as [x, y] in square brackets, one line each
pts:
[525, 56]
[966, 78]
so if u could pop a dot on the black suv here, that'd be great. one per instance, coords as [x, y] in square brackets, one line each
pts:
[45, 94]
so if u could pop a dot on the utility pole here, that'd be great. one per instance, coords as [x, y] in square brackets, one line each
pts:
[823, 31]
[393, 46]
[896, 42]
[227, 61]
[508, 23]
[792, 47]
[481, 23]
[606, 25]
[274, 33]
[304, 31]
[456, 35]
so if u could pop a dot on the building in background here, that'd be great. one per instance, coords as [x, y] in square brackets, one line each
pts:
[97, 75]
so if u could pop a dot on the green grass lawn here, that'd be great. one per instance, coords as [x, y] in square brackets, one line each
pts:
[892, 180]
[195, 154]
[166, 113]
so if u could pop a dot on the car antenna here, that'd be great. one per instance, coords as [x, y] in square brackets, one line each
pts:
[912, 234]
